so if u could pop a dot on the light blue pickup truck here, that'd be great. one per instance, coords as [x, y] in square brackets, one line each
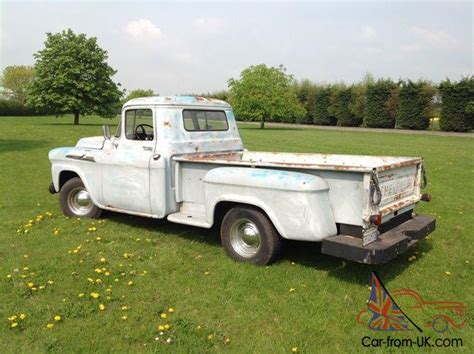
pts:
[182, 158]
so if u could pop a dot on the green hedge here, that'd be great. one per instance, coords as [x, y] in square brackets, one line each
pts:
[377, 113]
[456, 112]
[340, 107]
[10, 107]
[322, 103]
[414, 105]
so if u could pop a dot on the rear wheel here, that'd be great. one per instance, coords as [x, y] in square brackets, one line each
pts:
[248, 235]
[76, 201]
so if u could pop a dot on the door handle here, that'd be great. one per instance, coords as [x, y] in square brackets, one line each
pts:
[147, 148]
[156, 157]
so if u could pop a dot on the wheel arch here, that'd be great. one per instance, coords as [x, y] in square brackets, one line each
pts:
[222, 206]
[65, 176]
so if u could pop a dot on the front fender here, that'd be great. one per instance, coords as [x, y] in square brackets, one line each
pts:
[296, 203]
[87, 169]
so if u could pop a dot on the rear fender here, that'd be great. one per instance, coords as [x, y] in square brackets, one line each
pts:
[296, 203]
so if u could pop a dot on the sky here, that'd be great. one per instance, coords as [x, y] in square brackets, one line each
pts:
[195, 47]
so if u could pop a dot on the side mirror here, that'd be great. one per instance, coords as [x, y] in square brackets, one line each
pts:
[106, 132]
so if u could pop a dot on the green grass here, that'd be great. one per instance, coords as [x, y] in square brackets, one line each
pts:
[250, 306]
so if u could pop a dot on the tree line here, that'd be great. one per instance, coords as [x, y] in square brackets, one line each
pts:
[371, 103]
[71, 75]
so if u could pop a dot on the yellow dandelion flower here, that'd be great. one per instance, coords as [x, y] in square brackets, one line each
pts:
[12, 318]
[103, 260]
[210, 337]
[226, 340]
[81, 295]
[124, 307]
[107, 274]
[90, 280]
[292, 290]
[34, 288]
[75, 251]
[161, 328]
[130, 282]
[447, 273]
[9, 276]
[98, 238]
[98, 281]
[171, 310]
[206, 273]
[50, 325]
[98, 270]
[30, 285]
[108, 290]
[22, 316]
[41, 287]
[163, 315]
[124, 317]
[167, 326]
[26, 268]
[57, 318]
[101, 307]
[294, 350]
[13, 325]
[95, 295]
[50, 282]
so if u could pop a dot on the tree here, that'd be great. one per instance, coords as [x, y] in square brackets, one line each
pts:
[15, 81]
[322, 104]
[415, 105]
[265, 93]
[305, 92]
[378, 112]
[72, 76]
[340, 107]
[359, 96]
[137, 94]
[457, 113]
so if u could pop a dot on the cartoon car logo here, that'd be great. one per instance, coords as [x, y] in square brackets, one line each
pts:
[383, 312]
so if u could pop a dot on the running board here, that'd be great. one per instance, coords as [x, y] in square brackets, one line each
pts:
[192, 219]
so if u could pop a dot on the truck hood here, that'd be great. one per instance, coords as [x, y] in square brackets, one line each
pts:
[93, 142]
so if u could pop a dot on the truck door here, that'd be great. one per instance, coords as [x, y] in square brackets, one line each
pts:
[126, 163]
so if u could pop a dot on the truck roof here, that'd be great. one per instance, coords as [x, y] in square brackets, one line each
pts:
[178, 101]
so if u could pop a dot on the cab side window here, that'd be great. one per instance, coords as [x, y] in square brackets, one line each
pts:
[139, 124]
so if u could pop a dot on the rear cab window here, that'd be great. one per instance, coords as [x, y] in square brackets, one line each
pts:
[199, 120]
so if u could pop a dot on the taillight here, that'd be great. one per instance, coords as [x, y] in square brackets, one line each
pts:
[376, 219]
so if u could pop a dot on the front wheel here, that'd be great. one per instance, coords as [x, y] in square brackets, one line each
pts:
[248, 235]
[76, 201]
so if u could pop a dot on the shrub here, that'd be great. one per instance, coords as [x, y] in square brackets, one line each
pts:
[340, 107]
[377, 112]
[305, 92]
[456, 112]
[322, 103]
[11, 107]
[415, 105]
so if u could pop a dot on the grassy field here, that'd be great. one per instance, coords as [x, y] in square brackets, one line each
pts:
[150, 273]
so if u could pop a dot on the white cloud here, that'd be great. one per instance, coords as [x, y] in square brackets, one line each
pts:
[208, 24]
[143, 29]
[368, 33]
[435, 38]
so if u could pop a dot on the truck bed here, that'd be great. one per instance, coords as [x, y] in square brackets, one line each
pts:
[330, 162]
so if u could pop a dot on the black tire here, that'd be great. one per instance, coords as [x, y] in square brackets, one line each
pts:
[240, 229]
[70, 200]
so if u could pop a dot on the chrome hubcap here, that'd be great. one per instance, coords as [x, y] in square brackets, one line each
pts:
[245, 238]
[79, 201]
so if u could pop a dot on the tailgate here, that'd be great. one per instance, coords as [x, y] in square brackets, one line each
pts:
[400, 188]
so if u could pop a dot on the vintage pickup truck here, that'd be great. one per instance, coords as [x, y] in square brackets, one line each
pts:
[182, 158]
